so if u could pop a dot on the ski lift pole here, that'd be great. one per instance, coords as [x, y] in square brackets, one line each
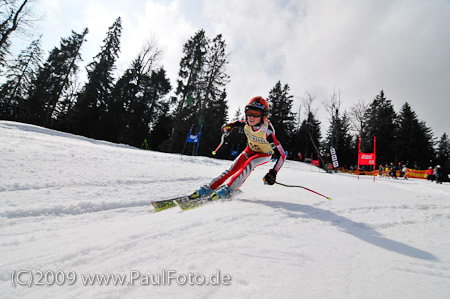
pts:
[222, 139]
[294, 186]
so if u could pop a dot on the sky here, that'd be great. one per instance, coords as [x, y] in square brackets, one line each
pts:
[354, 48]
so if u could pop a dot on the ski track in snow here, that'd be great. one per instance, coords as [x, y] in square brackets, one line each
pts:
[71, 203]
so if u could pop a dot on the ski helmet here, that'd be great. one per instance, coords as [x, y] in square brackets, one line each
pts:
[258, 103]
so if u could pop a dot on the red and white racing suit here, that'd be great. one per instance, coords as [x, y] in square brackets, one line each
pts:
[261, 143]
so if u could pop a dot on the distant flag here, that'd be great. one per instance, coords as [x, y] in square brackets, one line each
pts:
[191, 138]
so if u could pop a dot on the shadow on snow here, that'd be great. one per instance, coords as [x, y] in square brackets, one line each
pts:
[357, 229]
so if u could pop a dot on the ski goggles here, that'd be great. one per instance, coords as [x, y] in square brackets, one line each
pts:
[254, 113]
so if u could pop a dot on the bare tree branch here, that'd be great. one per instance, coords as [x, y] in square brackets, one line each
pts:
[12, 22]
[357, 112]
[334, 105]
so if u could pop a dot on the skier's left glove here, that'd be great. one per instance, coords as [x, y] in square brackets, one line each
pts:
[226, 128]
[270, 177]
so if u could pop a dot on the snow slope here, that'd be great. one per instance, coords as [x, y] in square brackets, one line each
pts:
[82, 207]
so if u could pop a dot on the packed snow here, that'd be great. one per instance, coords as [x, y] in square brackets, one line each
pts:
[72, 207]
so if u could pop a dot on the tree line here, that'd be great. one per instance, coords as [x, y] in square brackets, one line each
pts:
[141, 104]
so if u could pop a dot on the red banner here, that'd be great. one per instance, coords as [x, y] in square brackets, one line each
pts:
[366, 159]
[314, 162]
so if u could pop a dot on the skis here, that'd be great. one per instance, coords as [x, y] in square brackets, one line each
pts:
[185, 203]
[161, 205]
[192, 203]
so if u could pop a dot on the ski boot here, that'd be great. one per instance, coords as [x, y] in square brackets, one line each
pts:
[221, 193]
[203, 191]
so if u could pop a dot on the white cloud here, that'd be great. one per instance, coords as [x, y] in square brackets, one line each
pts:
[165, 24]
[253, 31]
[143, 21]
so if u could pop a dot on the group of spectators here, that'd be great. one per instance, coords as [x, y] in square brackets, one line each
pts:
[434, 174]
[391, 170]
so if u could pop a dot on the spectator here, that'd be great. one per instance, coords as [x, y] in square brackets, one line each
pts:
[430, 174]
[404, 171]
[400, 169]
[381, 170]
[393, 171]
[438, 174]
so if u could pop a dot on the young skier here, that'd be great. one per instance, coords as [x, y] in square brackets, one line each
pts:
[261, 143]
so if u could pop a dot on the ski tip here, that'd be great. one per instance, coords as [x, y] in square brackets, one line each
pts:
[329, 198]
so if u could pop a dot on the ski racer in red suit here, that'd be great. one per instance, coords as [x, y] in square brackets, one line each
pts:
[261, 143]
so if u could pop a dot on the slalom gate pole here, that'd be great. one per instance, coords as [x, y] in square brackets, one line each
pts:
[294, 186]
[220, 144]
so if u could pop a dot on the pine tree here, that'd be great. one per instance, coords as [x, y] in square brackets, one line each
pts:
[213, 119]
[412, 142]
[338, 134]
[307, 138]
[52, 79]
[122, 96]
[143, 111]
[136, 99]
[160, 133]
[23, 71]
[213, 108]
[201, 92]
[408, 127]
[443, 156]
[426, 143]
[281, 115]
[192, 69]
[380, 122]
[215, 78]
[339, 137]
[66, 103]
[190, 80]
[91, 106]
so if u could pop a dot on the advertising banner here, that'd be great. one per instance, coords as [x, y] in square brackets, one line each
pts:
[366, 159]
[334, 157]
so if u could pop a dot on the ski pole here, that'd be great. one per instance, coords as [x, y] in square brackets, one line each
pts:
[220, 144]
[293, 186]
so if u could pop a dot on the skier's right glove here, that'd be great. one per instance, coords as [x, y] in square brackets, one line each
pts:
[226, 128]
[270, 177]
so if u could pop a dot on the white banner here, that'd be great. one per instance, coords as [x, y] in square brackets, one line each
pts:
[334, 157]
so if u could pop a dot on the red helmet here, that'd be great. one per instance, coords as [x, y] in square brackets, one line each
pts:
[258, 103]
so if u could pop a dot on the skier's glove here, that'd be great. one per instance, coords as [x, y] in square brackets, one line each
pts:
[270, 177]
[226, 128]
